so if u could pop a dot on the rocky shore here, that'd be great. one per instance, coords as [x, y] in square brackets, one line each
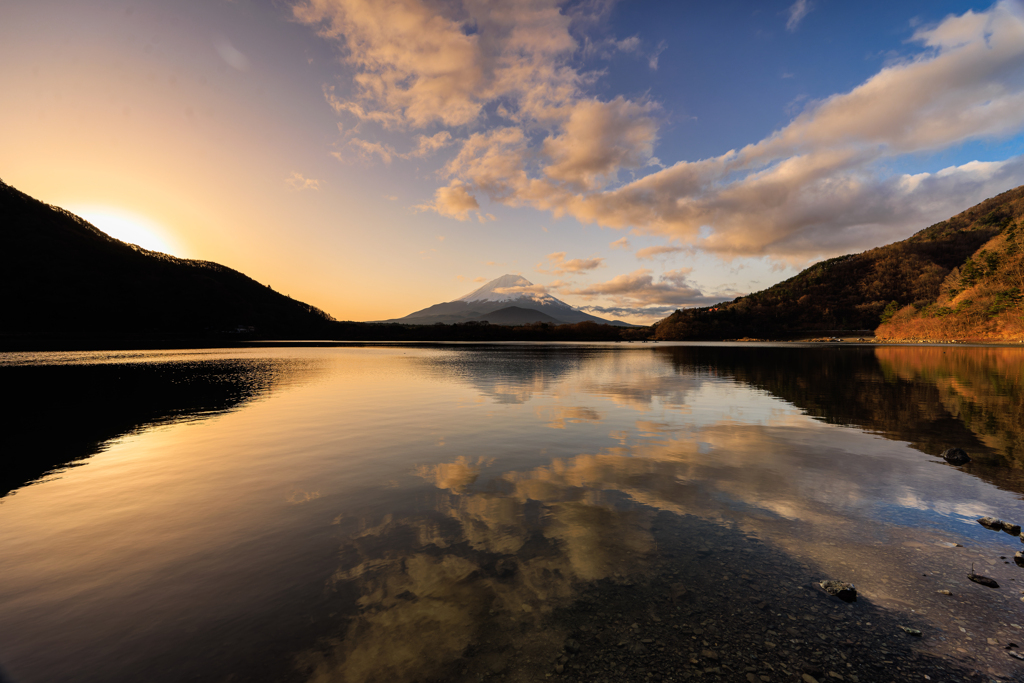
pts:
[717, 605]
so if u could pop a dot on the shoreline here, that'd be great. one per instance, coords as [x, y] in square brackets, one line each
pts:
[80, 345]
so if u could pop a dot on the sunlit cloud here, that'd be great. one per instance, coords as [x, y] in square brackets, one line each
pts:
[641, 289]
[367, 149]
[559, 265]
[818, 186]
[297, 181]
[621, 243]
[598, 139]
[648, 253]
[536, 291]
[644, 313]
[425, 146]
[453, 201]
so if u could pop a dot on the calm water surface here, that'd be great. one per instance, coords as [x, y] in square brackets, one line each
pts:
[378, 513]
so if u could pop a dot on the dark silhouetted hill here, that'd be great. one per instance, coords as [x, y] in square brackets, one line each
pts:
[853, 292]
[62, 277]
[87, 405]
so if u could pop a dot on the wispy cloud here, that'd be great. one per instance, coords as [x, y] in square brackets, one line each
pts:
[297, 181]
[645, 313]
[425, 146]
[640, 288]
[621, 243]
[368, 149]
[558, 265]
[797, 11]
[652, 60]
[648, 253]
[230, 54]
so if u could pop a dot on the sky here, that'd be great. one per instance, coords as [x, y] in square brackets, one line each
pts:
[375, 157]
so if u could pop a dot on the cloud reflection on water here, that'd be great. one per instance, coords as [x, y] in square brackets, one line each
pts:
[503, 547]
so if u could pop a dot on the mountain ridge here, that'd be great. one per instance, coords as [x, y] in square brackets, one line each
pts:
[853, 292]
[65, 277]
[485, 300]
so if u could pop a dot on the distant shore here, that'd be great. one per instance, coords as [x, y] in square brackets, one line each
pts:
[49, 344]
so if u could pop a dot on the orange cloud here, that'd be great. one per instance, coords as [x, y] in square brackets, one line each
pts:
[559, 266]
[453, 201]
[639, 288]
[654, 252]
[298, 182]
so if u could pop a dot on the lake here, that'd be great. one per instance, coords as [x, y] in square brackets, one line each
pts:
[648, 512]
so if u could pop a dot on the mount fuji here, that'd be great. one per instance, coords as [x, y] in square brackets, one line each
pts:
[506, 300]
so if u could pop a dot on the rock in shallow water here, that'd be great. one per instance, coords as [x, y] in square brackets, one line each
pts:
[956, 456]
[840, 589]
[991, 523]
[983, 580]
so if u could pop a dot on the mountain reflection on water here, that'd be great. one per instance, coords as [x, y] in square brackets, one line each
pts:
[457, 513]
[80, 401]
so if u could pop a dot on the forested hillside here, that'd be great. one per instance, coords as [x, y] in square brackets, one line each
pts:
[973, 256]
[980, 299]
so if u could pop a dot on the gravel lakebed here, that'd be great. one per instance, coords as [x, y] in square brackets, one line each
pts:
[715, 603]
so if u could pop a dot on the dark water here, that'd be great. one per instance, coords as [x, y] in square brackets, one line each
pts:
[402, 514]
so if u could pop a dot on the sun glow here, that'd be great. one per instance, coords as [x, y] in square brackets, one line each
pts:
[130, 227]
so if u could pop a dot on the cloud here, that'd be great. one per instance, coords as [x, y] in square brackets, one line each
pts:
[298, 182]
[559, 266]
[454, 201]
[425, 146]
[630, 44]
[797, 11]
[639, 288]
[231, 56]
[819, 186]
[652, 61]
[415, 66]
[598, 139]
[652, 313]
[621, 243]
[654, 252]
[538, 291]
[420, 63]
[367, 149]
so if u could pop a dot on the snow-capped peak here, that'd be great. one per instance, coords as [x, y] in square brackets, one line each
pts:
[489, 292]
